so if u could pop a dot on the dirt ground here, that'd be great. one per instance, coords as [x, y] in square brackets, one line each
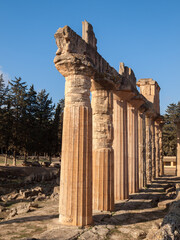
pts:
[132, 219]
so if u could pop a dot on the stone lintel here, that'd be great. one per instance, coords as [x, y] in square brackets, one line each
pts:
[151, 114]
[76, 55]
[125, 95]
[127, 73]
[100, 83]
[159, 119]
[137, 101]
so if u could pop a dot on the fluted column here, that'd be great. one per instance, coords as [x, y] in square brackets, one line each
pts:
[121, 190]
[103, 154]
[161, 151]
[148, 150]
[157, 150]
[142, 149]
[133, 167]
[153, 150]
[178, 149]
[76, 164]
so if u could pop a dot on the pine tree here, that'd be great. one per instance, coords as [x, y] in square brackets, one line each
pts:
[2, 103]
[18, 107]
[169, 129]
[30, 121]
[44, 117]
[57, 127]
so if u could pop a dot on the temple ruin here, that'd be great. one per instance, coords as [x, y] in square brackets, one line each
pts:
[112, 145]
[178, 148]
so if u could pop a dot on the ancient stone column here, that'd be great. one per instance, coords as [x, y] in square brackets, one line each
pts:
[153, 150]
[178, 149]
[161, 151]
[142, 149]
[133, 167]
[103, 153]
[148, 150]
[157, 156]
[76, 164]
[120, 146]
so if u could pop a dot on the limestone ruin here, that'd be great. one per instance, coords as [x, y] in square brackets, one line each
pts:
[178, 147]
[112, 146]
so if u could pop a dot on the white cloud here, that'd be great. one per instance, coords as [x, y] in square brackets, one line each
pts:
[6, 76]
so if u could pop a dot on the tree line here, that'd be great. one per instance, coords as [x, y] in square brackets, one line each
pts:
[29, 121]
[170, 129]
[30, 124]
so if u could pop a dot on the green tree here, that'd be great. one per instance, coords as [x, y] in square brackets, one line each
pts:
[57, 127]
[5, 118]
[3, 91]
[30, 122]
[169, 129]
[44, 115]
[18, 97]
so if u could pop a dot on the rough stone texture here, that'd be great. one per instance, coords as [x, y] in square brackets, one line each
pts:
[150, 89]
[120, 146]
[161, 151]
[133, 168]
[153, 150]
[157, 155]
[132, 219]
[178, 148]
[148, 150]
[170, 228]
[88, 35]
[103, 153]
[76, 163]
[79, 62]
[142, 149]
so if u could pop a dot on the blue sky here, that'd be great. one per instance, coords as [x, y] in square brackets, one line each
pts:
[144, 34]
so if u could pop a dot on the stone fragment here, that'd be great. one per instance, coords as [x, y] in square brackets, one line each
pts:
[89, 235]
[13, 212]
[56, 190]
[165, 204]
[170, 228]
[60, 233]
[30, 192]
[2, 208]
[40, 197]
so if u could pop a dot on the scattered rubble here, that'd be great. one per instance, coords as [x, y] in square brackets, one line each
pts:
[31, 212]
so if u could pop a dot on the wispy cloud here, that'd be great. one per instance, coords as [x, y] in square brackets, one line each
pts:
[6, 76]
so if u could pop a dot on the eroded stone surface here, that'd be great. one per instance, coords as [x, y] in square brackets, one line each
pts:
[103, 153]
[83, 67]
[75, 204]
[120, 146]
[135, 218]
[178, 148]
